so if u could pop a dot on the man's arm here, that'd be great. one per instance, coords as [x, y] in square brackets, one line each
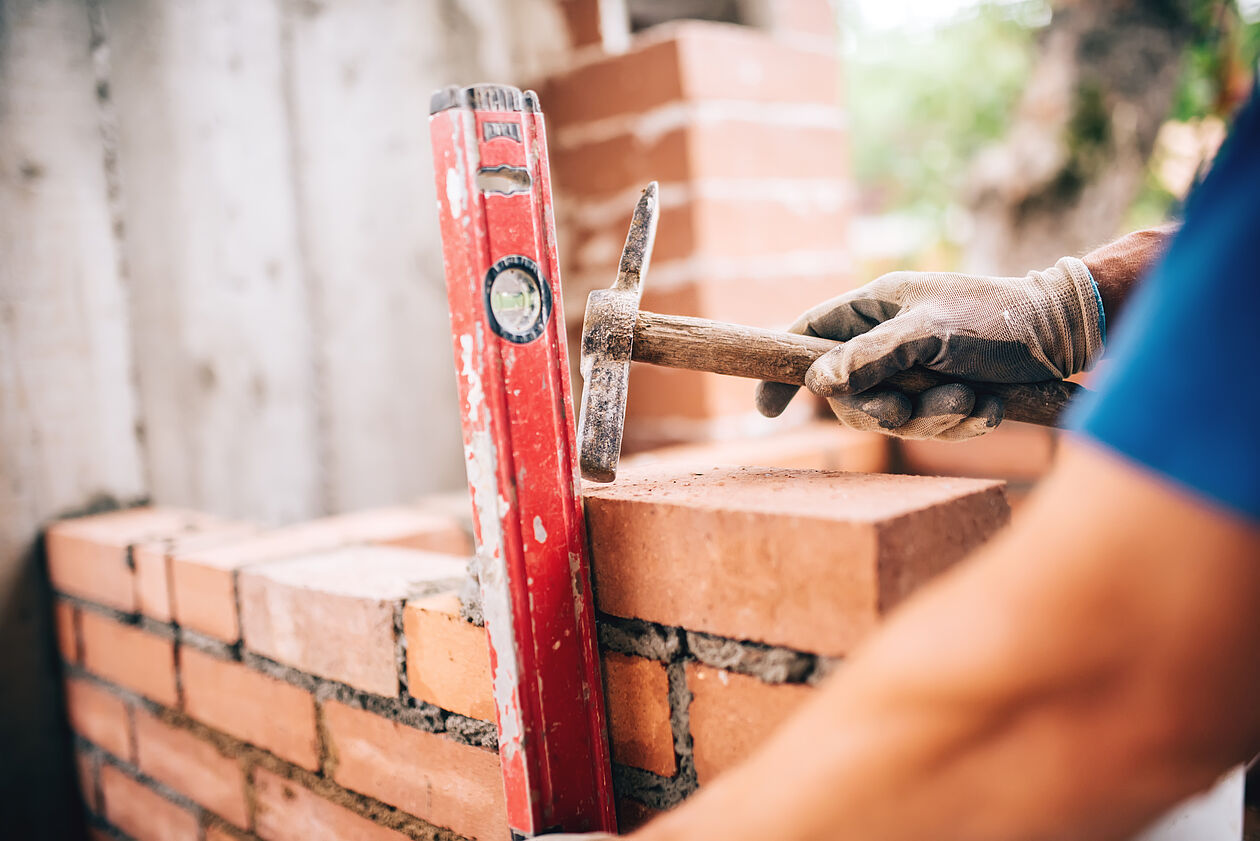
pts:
[1118, 266]
[1084, 672]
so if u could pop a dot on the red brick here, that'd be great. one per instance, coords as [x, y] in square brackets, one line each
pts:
[806, 559]
[732, 714]
[448, 659]
[332, 614]
[629, 83]
[1015, 451]
[699, 149]
[430, 776]
[253, 707]
[192, 766]
[637, 693]
[691, 60]
[130, 657]
[289, 812]
[152, 563]
[203, 582]
[85, 763]
[819, 445]
[99, 716]
[582, 20]
[738, 62]
[88, 557]
[143, 813]
[66, 621]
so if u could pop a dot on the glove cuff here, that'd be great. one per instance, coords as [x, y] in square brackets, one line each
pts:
[1084, 313]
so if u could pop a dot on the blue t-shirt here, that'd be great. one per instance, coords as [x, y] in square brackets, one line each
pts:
[1183, 393]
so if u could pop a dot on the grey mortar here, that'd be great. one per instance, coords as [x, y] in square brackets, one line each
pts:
[768, 663]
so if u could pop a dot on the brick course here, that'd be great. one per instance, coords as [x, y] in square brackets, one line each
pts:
[253, 707]
[90, 557]
[192, 766]
[332, 614]
[141, 812]
[203, 581]
[289, 812]
[430, 776]
[99, 716]
[129, 656]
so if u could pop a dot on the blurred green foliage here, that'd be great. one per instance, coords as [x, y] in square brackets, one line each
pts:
[923, 102]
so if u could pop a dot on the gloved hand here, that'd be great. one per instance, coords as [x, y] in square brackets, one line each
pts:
[1047, 325]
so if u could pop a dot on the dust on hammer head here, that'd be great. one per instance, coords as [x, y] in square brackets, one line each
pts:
[608, 344]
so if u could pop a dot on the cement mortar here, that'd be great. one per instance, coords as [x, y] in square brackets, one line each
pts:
[640, 639]
[770, 664]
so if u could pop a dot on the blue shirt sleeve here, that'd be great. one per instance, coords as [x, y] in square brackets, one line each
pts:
[1182, 395]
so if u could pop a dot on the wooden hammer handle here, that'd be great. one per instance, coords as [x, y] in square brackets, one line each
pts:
[699, 344]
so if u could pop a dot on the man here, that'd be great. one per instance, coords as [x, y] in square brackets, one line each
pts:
[1097, 662]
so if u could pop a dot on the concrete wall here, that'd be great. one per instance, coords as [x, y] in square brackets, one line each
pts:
[220, 278]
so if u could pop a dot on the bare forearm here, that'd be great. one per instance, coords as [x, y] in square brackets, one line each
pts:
[1029, 695]
[1118, 266]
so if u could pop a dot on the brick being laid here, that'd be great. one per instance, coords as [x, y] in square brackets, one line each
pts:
[809, 560]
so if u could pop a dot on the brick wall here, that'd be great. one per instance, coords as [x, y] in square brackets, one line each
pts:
[744, 131]
[326, 681]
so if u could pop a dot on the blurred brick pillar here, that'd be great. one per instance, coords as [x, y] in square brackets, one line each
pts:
[743, 128]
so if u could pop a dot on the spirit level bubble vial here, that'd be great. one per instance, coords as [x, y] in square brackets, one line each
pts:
[503, 281]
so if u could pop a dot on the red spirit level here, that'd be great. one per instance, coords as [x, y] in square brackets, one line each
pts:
[507, 320]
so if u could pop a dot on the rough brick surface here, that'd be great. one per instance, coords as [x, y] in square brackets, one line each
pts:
[142, 813]
[99, 716]
[427, 775]
[130, 657]
[192, 766]
[203, 582]
[637, 693]
[89, 557]
[332, 614]
[731, 714]
[289, 812]
[253, 707]
[448, 659]
[66, 621]
[804, 559]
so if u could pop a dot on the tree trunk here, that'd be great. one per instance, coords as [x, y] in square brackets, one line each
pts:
[1076, 154]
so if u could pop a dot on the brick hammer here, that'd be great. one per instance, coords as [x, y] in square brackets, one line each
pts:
[616, 332]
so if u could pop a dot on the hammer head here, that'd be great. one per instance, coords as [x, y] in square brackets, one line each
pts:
[607, 345]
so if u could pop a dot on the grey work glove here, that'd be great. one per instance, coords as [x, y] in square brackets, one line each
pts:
[1047, 325]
